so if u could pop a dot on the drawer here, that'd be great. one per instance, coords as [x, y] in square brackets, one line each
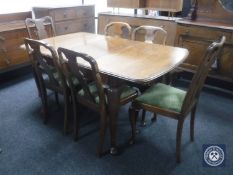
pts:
[12, 44]
[85, 12]
[13, 57]
[64, 14]
[203, 32]
[75, 26]
[19, 34]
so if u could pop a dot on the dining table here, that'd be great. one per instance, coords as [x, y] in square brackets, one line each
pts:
[122, 60]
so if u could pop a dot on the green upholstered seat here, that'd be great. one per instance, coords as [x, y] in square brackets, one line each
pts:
[58, 79]
[126, 92]
[163, 96]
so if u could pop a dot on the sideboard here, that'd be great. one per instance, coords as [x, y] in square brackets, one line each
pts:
[208, 20]
[168, 23]
[13, 30]
[196, 36]
[12, 33]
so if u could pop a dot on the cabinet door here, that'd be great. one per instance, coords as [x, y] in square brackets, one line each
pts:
[197, 49]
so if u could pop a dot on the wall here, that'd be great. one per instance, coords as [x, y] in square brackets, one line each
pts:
[11, 6]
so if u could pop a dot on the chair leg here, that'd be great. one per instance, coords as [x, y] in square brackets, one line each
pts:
[66, 112]
[76, 121]
[102, 132]
[57, 98]
[154, 118]
[143, 122]
[133, 113]
[192, 122]
[37, 81]
[44, 104]
[178, 140]
[43, 94]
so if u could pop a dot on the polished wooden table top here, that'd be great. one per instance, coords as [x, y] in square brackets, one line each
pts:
[126, 59]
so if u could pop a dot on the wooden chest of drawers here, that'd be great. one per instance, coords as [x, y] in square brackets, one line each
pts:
[69, 19]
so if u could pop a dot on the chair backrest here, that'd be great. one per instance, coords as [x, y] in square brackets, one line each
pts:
[73, 67]
[118, 29]
[150, 34]
[212, 53]
[46, 63]
[40, 28]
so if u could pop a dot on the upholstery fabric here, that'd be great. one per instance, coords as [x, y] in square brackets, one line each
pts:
[127, 91]
[163, 96]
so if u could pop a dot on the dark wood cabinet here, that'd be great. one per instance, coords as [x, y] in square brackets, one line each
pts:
[212, 21]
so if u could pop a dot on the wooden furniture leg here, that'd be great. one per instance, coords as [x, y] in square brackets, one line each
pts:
[114, 105]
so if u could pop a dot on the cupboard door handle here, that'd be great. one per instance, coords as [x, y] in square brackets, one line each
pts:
[66, 27]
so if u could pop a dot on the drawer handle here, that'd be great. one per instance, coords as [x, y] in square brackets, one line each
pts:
[66, 27]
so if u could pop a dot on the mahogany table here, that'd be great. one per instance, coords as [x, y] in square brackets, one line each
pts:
[122, 60]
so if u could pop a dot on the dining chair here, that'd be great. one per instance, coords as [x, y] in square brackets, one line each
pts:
[176, 103]
[153, 35]
[118, 29]
[40, 28]
[150, 34]
[93, 89]
[48, 71]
